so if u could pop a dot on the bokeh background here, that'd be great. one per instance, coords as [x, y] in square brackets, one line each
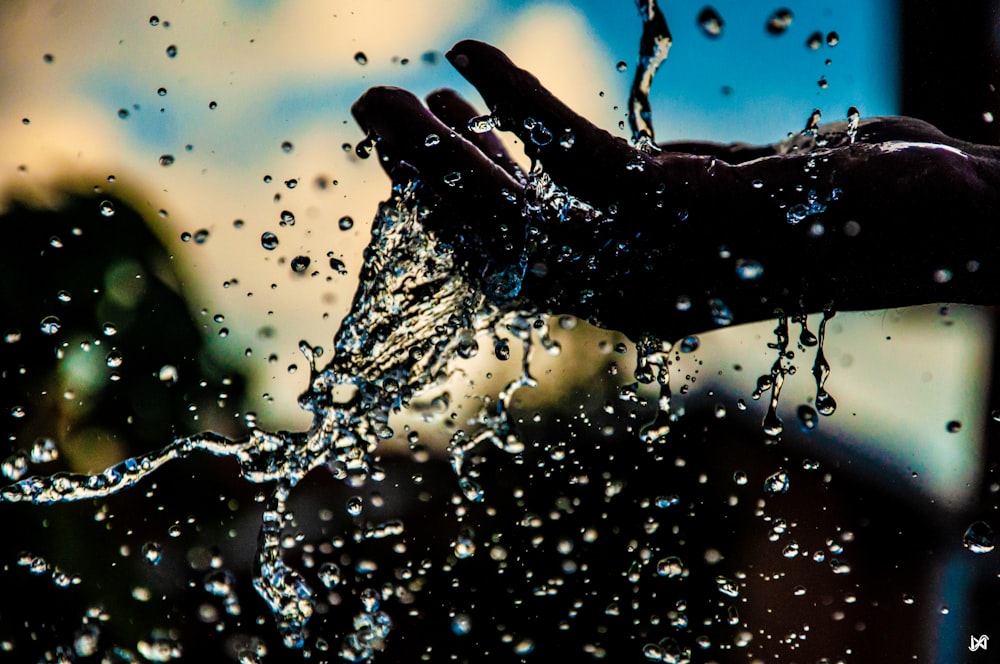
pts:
[204, 125]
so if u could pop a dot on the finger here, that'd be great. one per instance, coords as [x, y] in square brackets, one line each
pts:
[484, 196]
[579, 155]
[455, 112]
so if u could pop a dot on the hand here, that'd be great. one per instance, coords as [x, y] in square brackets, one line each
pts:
[888, 212]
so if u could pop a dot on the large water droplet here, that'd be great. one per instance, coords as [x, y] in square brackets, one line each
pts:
[749, 269]
[779, 21]
[979, 538]
[481, 124]
[670, 567]
[44, 450]
[345, 223]
[107, 209]
[300, 264]
[269, 241]
[329, 575]
[50, 325]
[710, 21]
[152, 553]
[776, 483]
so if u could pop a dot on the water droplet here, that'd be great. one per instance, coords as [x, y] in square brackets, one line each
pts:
[361, 58]
[154, 21]
[354, 505]
[109, 329]
[670, 567]
[740, 477]
[540, 134]
[524, 647]
[832, 39]
[287, 147]
[172, 51]
[953, 426]
[567, 140]
[942, 276]
[452, 179]
[711, 23]
[201, 236]
[727, 587]
[64, 296]
[481, 124]
[212, 105]
[345, 223]
[329, 575]
[465, 544]
[168, 373]
[776, 483]
[114, 359]
[721, 315]
[748, 269]
[808, 418]
[814, 41]
[690, 343]
[123, 113]
[152, 553]
[653, 652]
[162, 92]
[979, 538]
[338, 265]
[50, 325]
[461, 624]
[779, 21]
[300, 264]
[621, 65]
[502, 350]
[269, 241]
[44, 450]
[166, 160]
[287, 218]
[432, 140]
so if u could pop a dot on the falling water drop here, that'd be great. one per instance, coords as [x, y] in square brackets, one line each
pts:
[711, 23]
[979, 538]
[152, 553]
[779, 21]
[269, 241]
[776, 483]
[300, 264]
[50, 325]
[361, 58]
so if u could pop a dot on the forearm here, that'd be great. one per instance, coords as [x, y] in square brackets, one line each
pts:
[865, 230]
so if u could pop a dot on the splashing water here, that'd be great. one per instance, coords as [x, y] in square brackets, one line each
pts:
[654, 46]
[413, 314]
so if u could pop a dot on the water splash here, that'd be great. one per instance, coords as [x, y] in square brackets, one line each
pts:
[654, 46]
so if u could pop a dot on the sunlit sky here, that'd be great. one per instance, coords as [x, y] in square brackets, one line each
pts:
[286, 71]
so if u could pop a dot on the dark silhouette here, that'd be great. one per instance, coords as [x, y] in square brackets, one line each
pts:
[879, 213]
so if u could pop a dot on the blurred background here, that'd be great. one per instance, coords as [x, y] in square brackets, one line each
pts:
[148, 146]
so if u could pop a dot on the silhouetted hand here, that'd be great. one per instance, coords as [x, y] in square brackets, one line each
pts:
[855, 215]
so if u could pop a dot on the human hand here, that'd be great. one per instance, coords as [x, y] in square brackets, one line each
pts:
[853, 215]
